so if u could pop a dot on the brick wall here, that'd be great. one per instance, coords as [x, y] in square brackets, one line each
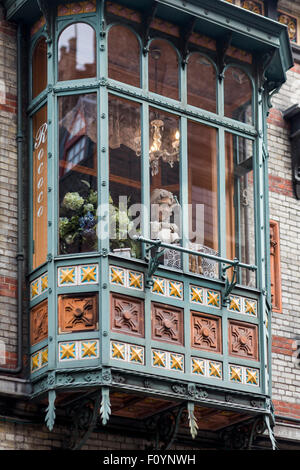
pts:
[8, 193]
[285, 209]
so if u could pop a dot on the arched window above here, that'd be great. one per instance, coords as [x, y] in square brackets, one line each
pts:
[201, 82]
[77, 52]
[163, 69]
[238, 95]
[123, 55]
[39, 67]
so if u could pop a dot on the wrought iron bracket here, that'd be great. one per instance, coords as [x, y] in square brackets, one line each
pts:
[185, 36]
[229, 284]
[83, 416]
[149, 16]
[47, 12]
[153, 260]
[222, 46]
[165, 427]
[241, 436]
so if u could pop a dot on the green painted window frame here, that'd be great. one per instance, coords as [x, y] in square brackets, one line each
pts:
[102, 85]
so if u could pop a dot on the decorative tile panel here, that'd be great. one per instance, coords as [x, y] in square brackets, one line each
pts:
[243, 339]
[206, 332]
[39, 322]
[86, 274]
[202, 296]
[207, 368]
[76, 8]
[78, 350]
[167, 360]
[127, 315]
[38, 286]
[67, 276]
[167, 288]
[213, 298]
[242, 305]
[244, 375]
[126, 278]
[291, 23]
[254, 6]
[77, 313]
[127, 352]
[39, 360]
[167, 323]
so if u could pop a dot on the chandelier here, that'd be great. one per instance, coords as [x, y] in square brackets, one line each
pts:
[163, 147]
[157, 151]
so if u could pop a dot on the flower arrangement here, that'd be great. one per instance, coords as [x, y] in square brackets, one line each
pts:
[77, 228]
[78, 225]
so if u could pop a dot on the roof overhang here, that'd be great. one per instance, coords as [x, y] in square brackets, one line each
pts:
[214, 18]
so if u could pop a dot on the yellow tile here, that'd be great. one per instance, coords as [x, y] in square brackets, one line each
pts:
[118, 351]
[175, 289]
[159, 358]
[89, 349]
[213, 298]
[198, 366]
[67, 351]
[176, 362]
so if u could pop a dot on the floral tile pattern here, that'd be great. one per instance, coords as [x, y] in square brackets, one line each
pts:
[86, 274]
[242, 305]
[39, 360]
[167, 360]
[244, 375]
[126, 278]
[127, 352]
[78, 350]
[206, 368]
[167, 288]
[203, 296]
[38, 286]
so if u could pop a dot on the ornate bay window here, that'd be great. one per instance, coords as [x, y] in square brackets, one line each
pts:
[148, 277]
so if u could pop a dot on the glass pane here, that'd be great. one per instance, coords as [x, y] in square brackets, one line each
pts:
[39, 67]
[77, 173]
[164, 156]
[40, 191]
[237, 95]
[203, 197]
[201, 83]
[77, 52]
[124, 176]
[163, 69]
[240, 211]
[123, 56]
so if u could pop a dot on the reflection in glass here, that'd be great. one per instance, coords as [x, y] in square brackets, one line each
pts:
[203, 197]
[40, 186]
[163, 69]
[77, 52]
[201, 83]
[240, 232]
[124, 176]
[77, 173]
[39, 67]
[123, 56]
[164, 145]
[237, 95]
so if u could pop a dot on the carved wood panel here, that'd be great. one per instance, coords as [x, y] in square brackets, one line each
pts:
[39, 322]
[77, 312]
[127, 315]
[167, 323]
[206, 332]
[243, 339]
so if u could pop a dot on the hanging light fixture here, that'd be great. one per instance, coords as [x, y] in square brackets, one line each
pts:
[158, 151]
